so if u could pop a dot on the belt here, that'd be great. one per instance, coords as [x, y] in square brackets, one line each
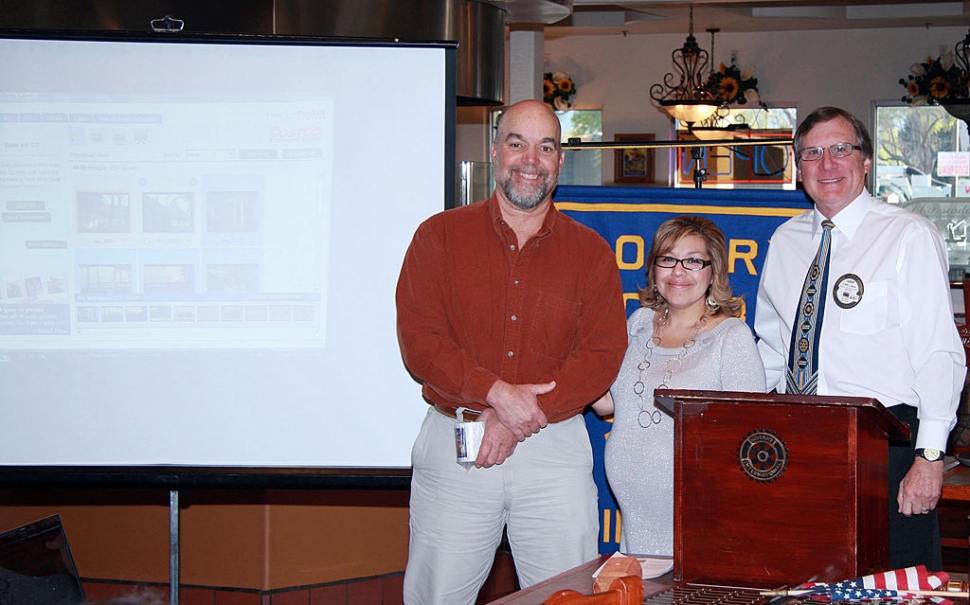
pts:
[468, 415]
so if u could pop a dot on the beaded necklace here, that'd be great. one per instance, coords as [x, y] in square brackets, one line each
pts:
[647, 418]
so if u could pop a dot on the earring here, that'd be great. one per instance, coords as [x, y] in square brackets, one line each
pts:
[712, 304]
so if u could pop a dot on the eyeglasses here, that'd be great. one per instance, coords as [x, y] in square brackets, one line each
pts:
[690, 264]
[839, 150]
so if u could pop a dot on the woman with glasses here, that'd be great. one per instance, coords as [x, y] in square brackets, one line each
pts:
[686, 335]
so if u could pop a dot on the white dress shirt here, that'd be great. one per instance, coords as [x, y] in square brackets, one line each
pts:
[898, 343]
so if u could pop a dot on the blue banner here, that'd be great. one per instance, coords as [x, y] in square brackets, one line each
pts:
[627, 218]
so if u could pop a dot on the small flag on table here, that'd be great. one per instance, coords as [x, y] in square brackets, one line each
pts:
[898, 584]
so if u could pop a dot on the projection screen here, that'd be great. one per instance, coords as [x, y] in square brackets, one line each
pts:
[199, 245]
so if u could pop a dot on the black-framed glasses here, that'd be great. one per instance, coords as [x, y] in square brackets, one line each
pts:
[690, 264]
[839, 150]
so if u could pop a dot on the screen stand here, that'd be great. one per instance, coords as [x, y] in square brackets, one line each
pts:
[173, 546]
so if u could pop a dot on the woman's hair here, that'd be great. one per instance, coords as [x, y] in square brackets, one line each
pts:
[665, 239]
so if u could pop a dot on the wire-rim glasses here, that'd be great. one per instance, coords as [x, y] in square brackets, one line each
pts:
[690, 264]
[839, 150]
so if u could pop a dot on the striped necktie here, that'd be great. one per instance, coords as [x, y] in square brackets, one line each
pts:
[802, 375]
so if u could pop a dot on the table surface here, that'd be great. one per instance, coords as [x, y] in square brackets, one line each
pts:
[579, 579]
[956, 487]
[956, 484]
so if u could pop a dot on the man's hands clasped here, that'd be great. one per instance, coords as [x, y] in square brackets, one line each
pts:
[517, 406]
[513, 414]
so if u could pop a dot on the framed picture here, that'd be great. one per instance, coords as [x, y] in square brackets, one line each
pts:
[633, 165]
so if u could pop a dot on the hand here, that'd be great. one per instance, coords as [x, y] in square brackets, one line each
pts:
[517, 406]
[498, 443]
[920, 489]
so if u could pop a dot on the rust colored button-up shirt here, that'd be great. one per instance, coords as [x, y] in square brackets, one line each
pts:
[473, 308]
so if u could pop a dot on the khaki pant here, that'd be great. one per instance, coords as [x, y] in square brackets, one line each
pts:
[544, 492]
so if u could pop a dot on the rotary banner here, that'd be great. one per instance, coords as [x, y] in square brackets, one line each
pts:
[627, 218]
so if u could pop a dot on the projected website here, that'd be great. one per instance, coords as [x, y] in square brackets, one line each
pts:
[152, 225]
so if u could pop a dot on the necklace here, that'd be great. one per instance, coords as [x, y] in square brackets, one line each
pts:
[647, 418]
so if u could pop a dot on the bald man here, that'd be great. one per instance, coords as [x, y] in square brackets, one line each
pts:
[514, 311]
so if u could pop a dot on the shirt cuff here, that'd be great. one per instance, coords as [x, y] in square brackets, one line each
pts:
[933, 434]
[479, 383]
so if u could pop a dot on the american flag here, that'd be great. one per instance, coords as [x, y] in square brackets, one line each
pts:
[887, 585]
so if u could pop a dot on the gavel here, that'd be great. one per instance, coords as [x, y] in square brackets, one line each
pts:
[625, 590]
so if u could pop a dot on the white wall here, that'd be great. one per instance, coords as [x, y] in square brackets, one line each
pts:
[805, 69]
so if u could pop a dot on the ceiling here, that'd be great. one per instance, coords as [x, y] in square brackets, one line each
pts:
[612, 17]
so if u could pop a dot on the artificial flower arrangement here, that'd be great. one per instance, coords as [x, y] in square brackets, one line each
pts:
[730, 85]
[557, 89]
[935, 81]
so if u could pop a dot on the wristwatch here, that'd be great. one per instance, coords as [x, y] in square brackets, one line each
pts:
[930, 454]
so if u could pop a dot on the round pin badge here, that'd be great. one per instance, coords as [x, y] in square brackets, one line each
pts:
[763, 456]
[848, 290]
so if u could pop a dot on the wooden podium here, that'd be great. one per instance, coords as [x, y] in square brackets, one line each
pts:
[773, 490]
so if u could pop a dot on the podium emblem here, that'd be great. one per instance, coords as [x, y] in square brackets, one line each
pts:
[763, 456]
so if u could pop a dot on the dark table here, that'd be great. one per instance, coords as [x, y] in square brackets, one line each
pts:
[579, 579]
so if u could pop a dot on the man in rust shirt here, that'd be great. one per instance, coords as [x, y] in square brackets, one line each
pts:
[511, 309]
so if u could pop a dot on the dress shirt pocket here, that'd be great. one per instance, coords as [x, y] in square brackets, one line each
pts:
[556, 325]
[869, 316]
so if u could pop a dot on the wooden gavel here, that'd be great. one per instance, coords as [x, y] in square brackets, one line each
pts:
[626, 590]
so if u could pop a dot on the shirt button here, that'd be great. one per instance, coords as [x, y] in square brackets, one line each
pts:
[511, 354]
[514, 318]
[516, 282]
[512, 247]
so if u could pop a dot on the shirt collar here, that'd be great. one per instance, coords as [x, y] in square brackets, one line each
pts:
[848, 219]
[548, 223]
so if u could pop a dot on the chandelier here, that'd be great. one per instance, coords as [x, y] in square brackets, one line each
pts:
[960, 51]
[689, 99]
[960, 108]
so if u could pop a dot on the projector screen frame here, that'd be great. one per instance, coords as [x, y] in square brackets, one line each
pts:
[450, 47]
[181, 478]
[175, 477]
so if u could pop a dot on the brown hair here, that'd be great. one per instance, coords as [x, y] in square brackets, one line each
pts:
[666, 237]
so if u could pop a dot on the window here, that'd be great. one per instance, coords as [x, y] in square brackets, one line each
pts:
[750, 167]
[908, 141]
[582, 166]
[922, 163]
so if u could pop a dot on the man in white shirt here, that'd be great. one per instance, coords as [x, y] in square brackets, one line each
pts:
[887, 330]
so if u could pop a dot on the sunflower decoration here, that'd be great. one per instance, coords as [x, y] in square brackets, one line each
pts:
[557, 90]
[731, 86]
[935, 81]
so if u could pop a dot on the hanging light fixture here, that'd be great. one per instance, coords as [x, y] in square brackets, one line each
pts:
[960, 51]
[688, 100]
[960, 107]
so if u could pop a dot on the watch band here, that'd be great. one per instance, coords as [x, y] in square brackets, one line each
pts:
[930, 454]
